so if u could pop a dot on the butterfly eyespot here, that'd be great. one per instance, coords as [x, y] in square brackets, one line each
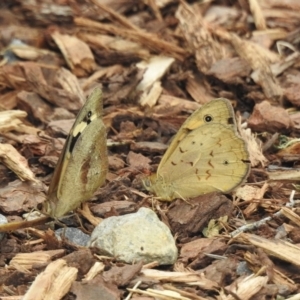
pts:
[89, 114]
[208, 118]
[225, 162]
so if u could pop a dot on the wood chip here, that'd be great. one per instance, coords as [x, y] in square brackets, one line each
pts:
[10, 157]
[277, 248]
[77, 54]
[53, 283]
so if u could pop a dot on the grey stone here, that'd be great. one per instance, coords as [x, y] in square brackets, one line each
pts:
[74, 235]
[135, 237]
[242, 269]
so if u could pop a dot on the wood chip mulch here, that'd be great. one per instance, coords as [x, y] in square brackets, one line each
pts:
[156, 61]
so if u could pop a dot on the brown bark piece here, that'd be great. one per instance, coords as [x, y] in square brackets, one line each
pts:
[138, 161]
[122, 275]
[107, 58]
[230, 70]
[220, 271]
[115, 163]
[188, 218]
[294, 235]
[178, 103]
[113, 47]
[259, 63]
[290, 153]
[77, 54]
[20, 196]
[123, 86]
[128, 130]
[198, 90]
[114, 50]
[150, 147]
[207, 50]
[29, 103]
[31, 76]
[149, 40]
[60, 128]
[266, 117]
[9, 100]
[82, 260]
[61, 12]
[133, 51]
[195, 253]
[121, 207]
[95, 288]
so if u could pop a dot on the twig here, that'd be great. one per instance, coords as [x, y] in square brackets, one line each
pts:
[257, 224]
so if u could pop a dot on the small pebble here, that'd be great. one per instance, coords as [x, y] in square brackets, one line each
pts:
[74, 235]
[242, 269]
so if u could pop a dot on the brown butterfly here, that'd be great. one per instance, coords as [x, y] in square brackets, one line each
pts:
[83, 163]
[206, 155]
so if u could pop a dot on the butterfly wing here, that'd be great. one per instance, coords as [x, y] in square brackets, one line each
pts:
[83, 163]
[216, 111]
[208, 159]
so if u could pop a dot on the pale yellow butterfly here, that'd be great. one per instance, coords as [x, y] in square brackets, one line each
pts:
[206, 155]
[83, 163]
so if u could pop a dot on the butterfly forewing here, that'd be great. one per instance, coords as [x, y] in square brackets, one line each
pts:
[82, 166]
[216, 111]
